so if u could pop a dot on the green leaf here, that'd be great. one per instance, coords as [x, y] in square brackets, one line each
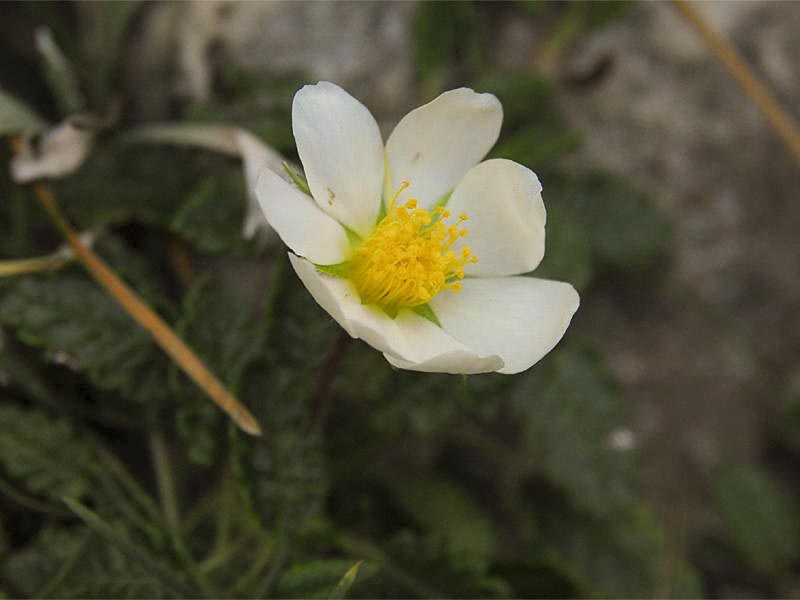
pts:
[785, 427]
[120, 182]
[297, 178]
[760, 522]
[211, 219]
[133, 551]
[258, 100]
[568, 255]
[441, 507]
[623, 558]
[571, 407]
[30, 567]
[106, 24]
[219, 329]
[446, 34]
[346, 582]
[535, 132]
[626, 230]
[44, 454]
[50, 312]
[59, 73]
[283, 471]
[15, 116]
[318, 579]
[424, 566]
[21, 371]
[599, 14]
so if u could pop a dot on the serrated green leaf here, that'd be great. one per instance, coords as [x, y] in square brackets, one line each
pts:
[283, 471]
[44, 454]
[571, 407]
[211, 218]
[121, 182]
[20, 371]
[219, 329]
[136, 553]
[760, 521]
[50, 312]
[626, 230]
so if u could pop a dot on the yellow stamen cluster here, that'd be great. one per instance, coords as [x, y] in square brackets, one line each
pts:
[407, 260]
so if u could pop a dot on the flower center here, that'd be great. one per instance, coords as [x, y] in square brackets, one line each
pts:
[407, 260]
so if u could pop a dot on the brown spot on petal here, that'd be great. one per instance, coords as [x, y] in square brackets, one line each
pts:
[331, 195]
[417, 156]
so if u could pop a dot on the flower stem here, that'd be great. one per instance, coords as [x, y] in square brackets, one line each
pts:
[149, 320]
[319, 399]
[779, 119]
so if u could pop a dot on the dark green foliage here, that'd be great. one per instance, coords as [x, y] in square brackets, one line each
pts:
[157, 186]
[44, 455]
[535, 132]
[627, 557]
[107, 25]
[627, 232]
[568, 255]
[284, 470]
[260, 101]
[226, 337]
[50, 311]
[212, 217]
[318, 579]
[117, 537]
[447, 35]
[572, 409]
[441, 507]
[758, 518]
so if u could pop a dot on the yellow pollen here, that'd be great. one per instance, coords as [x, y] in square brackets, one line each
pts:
[407, 260]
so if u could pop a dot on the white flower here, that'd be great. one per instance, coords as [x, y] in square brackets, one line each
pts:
[377, 246]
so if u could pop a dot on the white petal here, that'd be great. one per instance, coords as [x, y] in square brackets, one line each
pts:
[341, 149]
[503, 201]
[256, 155]
[461, 362]
[409, 341]
[433, 146]
[61, 151]
[518, 318]
[301, 224]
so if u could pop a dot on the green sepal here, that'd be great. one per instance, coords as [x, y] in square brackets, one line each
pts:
[444, 200]
[425, 310]
[352, 237]
[297, 178]
[337, 270]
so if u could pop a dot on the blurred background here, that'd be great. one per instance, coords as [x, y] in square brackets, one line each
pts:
[652, 454]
